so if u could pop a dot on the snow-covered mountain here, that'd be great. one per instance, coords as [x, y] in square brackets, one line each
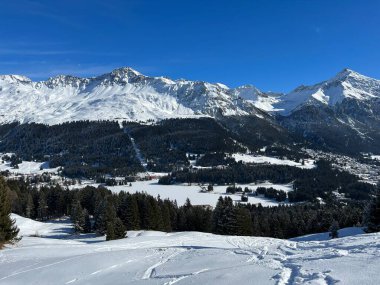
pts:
[347, 84]
[123, 94]
[126, 94]
[342, 113]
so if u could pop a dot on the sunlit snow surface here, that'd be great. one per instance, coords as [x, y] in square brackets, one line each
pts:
[180, 192]
[260, 159]
[184, 258]
[28, 167]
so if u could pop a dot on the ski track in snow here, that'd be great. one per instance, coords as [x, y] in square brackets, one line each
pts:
[149, 257]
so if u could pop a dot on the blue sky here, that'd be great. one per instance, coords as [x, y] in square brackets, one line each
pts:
[273, 44]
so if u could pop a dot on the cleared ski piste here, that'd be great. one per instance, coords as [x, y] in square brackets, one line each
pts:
[148, 257]
[180, 192]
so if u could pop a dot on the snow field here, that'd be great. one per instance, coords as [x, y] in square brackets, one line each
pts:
[26, 167]
[180, 192]
[185, 258]
[260, 159]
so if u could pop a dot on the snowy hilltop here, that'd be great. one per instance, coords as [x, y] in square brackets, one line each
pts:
[50, 254]
[126, 94]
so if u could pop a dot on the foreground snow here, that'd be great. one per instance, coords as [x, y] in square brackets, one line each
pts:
[184, 258]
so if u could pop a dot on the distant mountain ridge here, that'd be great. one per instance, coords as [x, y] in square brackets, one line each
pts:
[123, 94]
[342, 113]
[126, 94]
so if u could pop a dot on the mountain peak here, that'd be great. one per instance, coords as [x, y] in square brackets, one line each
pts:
[125, 72]
[347, 73]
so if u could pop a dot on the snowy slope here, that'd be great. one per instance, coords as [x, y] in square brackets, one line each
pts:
[187, 258]
[123, 94]
[346, 84]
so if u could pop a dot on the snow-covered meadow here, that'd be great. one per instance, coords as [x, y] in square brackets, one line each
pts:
[26, 167]
[261, 159]
[180, 192]
[147, 257]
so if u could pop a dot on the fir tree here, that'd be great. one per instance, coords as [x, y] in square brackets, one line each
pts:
[8, 229]
[29, 210]
[372, 213]
[110, 231]
[87, 222]
[166, 218]
[77, 216]
[119, 229]
[100, 224]
[42, 206]
[217, 222]
[334, 228]
[243, 222]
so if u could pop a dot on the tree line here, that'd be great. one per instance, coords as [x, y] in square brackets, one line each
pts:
[308, 184]
[101, 211]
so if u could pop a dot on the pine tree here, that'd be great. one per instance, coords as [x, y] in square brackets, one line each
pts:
[8, 229]
[244, 225]
[29, 211]
[100, 224]
[107, 222]
[119, 231]
[110, 231]
[42, 206]
[87, 222]
[129, 212]
[77, 216]
[229, 218]
[217, 223]
[372, 212]
[166, 218]
[334, 228]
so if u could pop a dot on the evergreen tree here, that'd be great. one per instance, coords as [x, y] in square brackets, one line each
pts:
[166, 217]
[42, 206]
[217, 222]
[29, 210]
[100, 224]
[87, 222]
[8, 229]
[244, 225]
[334, 228]
[78, 216]
[132, 213]
[110, 231]
[372, 213]
[119, 229]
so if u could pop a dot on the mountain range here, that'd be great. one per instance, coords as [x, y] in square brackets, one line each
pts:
[340, 113]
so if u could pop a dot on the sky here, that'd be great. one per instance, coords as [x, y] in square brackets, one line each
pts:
[275, 45]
